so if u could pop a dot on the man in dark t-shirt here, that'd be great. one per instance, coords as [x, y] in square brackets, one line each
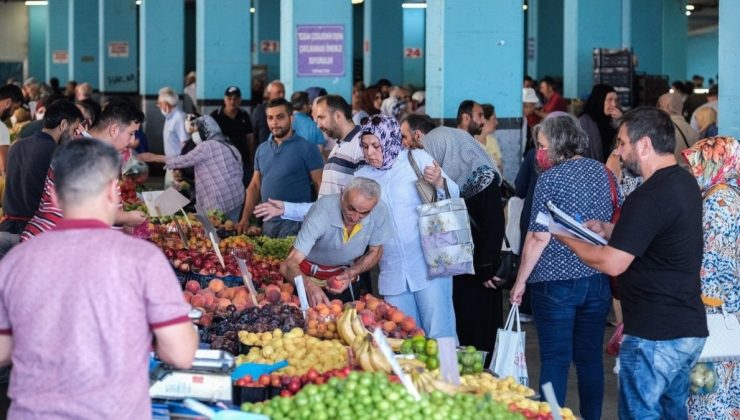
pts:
[237, 126]
[28, 163]
[656, 250]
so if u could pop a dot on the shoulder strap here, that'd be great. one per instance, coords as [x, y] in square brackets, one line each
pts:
[682, 134]
[415, 166]
[612, 187]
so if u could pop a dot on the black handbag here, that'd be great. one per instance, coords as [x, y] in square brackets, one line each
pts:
[508, 267]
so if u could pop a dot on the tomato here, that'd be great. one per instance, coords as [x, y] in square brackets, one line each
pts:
[264, 380]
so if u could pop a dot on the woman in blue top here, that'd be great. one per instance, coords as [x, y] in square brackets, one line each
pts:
[570, 301]
[403, 280]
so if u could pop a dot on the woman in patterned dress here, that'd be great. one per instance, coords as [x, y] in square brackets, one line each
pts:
[570, 301]
[715, 162]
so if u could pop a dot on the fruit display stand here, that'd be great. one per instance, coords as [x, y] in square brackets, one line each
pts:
[335, 368]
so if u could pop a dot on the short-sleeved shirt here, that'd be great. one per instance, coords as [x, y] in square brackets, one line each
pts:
[661, 225]
[322, 235]
[259, 123]
[4, 135]
[555, 103]
[343, 161]
[28, 163]
[236, 129]
[82, 321]
[305, 127]
[580, 188]
[286, 168]
[174, 134]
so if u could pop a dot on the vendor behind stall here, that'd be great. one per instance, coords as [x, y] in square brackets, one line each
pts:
[79, 326]
[341, 237]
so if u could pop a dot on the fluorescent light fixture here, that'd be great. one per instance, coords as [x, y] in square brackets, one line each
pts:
[688, 13]
[414, 5]
[690, 7]
[358, 1]
[701, 90]
[252, 10]
[138, 2]
[525, 7]
[36, 2]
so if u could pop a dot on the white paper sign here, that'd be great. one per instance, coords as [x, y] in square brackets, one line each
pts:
[214, 243]
[247, 276]
[385, 349]
[301, 290]
[448, 360]
[552, 401]
[164, 203]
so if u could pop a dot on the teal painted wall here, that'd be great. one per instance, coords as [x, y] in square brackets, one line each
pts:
[267, 27]
[549, 38]
[702, 56]
[38, 20]
[83, 46]
[414, 27]
[383, 30]
[118, 23]
[189, 36]
[57, 36]
[647, 35]
[675, 39]
[162, 46]
[728, 119]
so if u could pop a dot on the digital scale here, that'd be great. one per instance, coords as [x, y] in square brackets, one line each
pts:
[209, 379]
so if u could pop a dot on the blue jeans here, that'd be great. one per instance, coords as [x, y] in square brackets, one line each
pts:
[431, 307]
[570, 316]
[654, 377]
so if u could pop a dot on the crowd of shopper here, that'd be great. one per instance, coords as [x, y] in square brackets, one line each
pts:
[341, 176]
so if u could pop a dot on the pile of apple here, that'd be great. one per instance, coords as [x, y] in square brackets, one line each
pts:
[376, 313]
[289, 385]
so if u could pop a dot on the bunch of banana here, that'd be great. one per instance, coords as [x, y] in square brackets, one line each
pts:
[350, 327]
[425, 382]
[368, 356]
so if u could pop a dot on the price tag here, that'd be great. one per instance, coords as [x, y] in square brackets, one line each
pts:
[181, 233]
[301, 290]
[385, 349]
[205, 221]
[552, 401]
[164, 203]
[187, 219]
[214, 243]
[448, 360]
[247, 276]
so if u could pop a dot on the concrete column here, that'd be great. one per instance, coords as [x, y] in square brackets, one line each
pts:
[83, 41]
[266, 40]
[729, 62]
[646, 40]
[414, 48]
[675, 39]
[531, 17]
[222, 42]
[161, 59]
[549, 38]
[38, 22]
[587, 25]
[57, 45]
[316, 46]
[118, 47]
[383, 38]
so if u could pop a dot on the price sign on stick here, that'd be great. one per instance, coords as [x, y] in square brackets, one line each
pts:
[164, 203]
[552, 401]
[385, 349]
[214, 243]
[448, 360]
[181, 233]
[301, 290]
[247, 276]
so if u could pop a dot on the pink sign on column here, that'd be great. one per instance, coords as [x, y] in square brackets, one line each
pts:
[320, 50]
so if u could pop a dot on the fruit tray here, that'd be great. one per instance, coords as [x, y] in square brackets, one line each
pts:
[229, 281]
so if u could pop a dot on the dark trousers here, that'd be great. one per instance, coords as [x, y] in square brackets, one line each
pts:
[479, 310]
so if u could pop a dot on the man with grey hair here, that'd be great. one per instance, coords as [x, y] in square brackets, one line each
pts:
[341, 237]
[83, 91]
[174, 135]
[274, 90]
[140, 303]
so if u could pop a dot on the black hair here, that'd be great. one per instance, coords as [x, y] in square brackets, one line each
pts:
[13, 92]
[60, 110]
[466, 107]
[83, 167]
[421, 122]
[594, 108]
[299, 100]
[649, 121]
[680, 87]
[713, 91]
[384, 82]
[280, 102]
[488, 110]
[551, 82]
[92, 107]
[120, 111]
[337, 103]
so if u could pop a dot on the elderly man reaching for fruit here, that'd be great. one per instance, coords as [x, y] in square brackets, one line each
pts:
[341, 237]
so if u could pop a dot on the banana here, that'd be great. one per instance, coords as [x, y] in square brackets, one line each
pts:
[379, 361]
[395, 343]
[443, 386]
[364, 358]
[411, 363]
[344, 326]
[358, 328]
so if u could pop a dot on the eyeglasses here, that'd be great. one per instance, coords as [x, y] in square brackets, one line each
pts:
[375, 120]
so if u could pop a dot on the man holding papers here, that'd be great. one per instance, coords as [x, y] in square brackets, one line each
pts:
[656, 249]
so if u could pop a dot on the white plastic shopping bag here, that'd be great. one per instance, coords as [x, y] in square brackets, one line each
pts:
[508, 353]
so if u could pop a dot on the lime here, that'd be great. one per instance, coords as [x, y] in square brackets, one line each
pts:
[407, 347]
[419, 345]
[432, 363]
[470, 349]
[422, 357]
[431, 347]
[478, 366]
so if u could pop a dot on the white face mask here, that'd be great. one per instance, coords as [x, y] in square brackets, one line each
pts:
[39, 115]
[13, 120]
[196, 137]
[165, 114]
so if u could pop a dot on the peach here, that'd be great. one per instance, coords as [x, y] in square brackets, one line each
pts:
[335, 308]
[389, 326]
[381, 310]
[223, 303]
[240, 292]
[359, 305]
[372, 303]
[240, 304]
[397, 316]
[198, 300]
[417, 332]
[285, 297]
[368, 317]
[296, 300]
[334, 283]
[216, 285]
[192, 286]
[408, 324]
[287, 287]
[272, 293]
[187, 296]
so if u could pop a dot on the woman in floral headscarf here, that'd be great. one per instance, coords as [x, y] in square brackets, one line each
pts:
[404, 281]
[715, 162]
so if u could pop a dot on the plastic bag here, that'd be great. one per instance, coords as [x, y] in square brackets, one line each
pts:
[135, 169]
[508, 353]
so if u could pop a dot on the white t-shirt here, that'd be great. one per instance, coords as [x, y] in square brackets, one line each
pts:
[4, 135]
[174, 134]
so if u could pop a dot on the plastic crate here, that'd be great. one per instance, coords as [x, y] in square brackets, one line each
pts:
[203, 280]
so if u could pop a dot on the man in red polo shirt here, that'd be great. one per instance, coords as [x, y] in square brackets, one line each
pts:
[79, 309]
[553, 99]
